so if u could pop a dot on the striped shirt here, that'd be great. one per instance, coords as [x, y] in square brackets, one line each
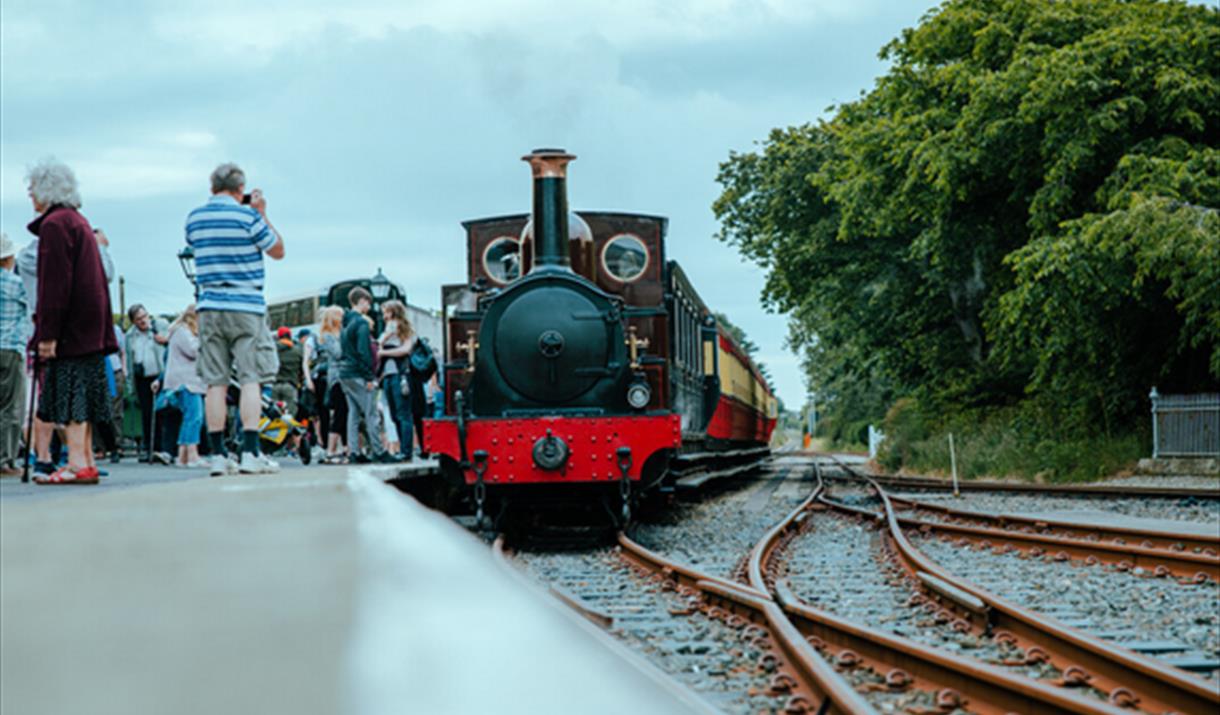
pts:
[229, 240]
[14, 322]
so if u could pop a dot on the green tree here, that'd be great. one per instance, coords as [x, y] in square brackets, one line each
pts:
[1024, 207]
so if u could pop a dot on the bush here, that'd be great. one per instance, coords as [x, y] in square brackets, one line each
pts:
[1004, 443]
[905, 427]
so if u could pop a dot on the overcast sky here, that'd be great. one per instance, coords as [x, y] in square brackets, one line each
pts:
[376, 127]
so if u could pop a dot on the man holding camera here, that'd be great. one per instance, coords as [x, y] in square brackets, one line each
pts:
[229, 235]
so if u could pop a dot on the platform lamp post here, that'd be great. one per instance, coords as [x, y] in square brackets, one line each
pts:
[379, 286]
[186, 257]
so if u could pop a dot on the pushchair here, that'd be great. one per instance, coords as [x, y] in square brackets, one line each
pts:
[278, 433]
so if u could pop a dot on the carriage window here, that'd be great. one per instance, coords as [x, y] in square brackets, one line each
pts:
[625, 257]
[502, 259]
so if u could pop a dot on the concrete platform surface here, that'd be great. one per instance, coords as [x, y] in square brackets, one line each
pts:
[312, 591]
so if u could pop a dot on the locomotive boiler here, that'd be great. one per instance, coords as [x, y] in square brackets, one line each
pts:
[583, 368]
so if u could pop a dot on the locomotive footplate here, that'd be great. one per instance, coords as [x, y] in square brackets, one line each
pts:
[556, 449]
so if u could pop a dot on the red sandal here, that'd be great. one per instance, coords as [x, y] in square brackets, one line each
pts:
[65, 475]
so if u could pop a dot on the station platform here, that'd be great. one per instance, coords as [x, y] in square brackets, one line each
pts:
[315, 590]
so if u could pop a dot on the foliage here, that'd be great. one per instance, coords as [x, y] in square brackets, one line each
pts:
[1025, 209]
[1003, 443]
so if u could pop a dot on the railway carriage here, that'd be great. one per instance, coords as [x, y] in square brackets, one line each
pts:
[582, 364]
[301, 310]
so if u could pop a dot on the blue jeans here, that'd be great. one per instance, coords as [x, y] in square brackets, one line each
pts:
[192, 417]
[400, 410]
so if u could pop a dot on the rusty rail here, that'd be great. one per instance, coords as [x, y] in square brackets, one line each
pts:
[1206, 545]
[957, 681]
[1129, 679]
[1114, 491]
[1196, 567]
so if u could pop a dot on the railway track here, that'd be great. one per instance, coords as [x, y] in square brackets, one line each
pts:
[1043, 490]
[1180, 541]
[1128, 678]
[706, 633]
[1190, 556]
[790, 648]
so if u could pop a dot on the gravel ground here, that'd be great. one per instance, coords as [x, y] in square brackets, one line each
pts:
[1122, 606]
[839, 566]
[1190, 510]
[708, 656]
[715, 535]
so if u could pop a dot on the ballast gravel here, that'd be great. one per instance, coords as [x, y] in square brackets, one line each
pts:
[1126, 606]
[715, 535]
[838, 566]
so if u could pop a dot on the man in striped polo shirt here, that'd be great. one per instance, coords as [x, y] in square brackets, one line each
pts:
[229, 238]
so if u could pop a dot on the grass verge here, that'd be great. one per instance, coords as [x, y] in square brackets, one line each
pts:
[1006, 444]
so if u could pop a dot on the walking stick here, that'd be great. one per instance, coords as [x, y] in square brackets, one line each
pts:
[29, 427]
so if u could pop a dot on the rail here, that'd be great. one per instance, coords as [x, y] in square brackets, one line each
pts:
[1184, 555]
[956, 680]
[1128, 678]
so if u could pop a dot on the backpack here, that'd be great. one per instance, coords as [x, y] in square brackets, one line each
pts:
[423, 361]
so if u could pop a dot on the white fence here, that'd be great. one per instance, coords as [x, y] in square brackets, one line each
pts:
[1185, 425]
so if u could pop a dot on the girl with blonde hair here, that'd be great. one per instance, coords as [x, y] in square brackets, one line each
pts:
[332, 408]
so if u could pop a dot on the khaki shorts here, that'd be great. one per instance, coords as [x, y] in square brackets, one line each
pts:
[228, 346]
[267, 358]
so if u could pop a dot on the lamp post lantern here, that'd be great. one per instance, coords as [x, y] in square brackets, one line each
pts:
[186, 258]
[379, 286]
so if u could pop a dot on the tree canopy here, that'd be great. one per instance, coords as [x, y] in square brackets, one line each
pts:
[1025, 206]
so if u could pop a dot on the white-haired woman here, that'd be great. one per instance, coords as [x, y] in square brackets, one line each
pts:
[73, 325]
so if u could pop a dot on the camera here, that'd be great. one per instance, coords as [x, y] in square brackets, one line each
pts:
[245, 199]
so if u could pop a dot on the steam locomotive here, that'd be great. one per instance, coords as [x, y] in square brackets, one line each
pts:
[583, 366]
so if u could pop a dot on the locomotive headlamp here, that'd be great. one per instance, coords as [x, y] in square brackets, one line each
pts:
[638, 395]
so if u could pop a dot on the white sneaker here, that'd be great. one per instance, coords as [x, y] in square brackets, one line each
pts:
[221, 465]
[257, 464]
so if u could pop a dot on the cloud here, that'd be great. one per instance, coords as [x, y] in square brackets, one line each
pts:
[376, 127]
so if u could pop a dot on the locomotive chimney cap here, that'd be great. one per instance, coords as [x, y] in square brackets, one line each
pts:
[548, 163]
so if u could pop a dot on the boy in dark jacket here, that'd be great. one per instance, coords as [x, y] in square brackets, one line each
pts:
[358, 379]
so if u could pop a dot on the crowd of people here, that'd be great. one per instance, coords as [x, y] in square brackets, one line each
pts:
[207, 386]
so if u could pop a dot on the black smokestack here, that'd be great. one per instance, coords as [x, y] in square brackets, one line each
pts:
[550, 168]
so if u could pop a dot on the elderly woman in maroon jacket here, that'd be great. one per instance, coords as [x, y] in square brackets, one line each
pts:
[73, 324]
